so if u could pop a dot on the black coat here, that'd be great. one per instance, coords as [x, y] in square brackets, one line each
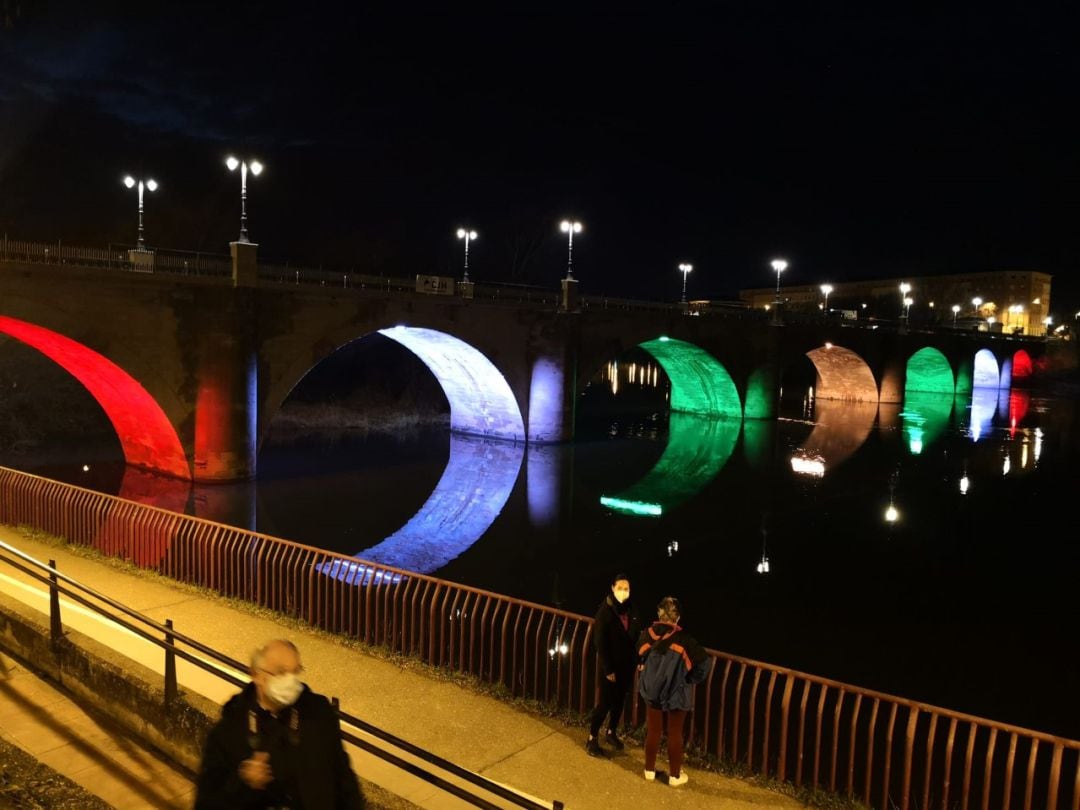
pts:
[614, 644]
[309, 762]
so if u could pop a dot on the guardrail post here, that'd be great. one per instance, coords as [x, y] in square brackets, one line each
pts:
[56, 630]
[170, 665]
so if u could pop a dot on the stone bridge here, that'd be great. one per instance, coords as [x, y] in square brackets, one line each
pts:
[191, 369]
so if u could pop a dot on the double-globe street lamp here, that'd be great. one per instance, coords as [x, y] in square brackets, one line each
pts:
[685, 270]
[570, 228]
[468, 236]
[905, 288]
[256, 169]
[149, 185]
[955, 312]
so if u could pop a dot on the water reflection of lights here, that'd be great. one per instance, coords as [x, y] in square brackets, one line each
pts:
[763, 564]
[633, 507]
[965, 485]
[1038, 444]
[672, 548]
[892, 514]
[1006, 464]
[697, 448]
[811, 465]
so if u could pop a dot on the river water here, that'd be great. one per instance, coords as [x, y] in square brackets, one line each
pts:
[775, 535]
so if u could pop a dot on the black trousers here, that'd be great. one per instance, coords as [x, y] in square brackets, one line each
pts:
[612, 701]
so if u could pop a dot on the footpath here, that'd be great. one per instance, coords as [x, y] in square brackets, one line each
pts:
[540, 756]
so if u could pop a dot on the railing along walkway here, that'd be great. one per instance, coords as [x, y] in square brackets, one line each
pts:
[477, 791]
[886, 750]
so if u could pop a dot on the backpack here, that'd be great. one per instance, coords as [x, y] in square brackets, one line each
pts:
[664, 673]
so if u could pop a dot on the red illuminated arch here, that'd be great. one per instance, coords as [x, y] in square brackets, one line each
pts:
[146, 435]
[1022, 366]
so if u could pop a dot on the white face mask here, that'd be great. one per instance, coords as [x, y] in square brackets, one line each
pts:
[285, 689]
[620, 594]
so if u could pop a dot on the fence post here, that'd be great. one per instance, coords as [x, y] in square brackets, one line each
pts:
[170, 665]
[56, 630]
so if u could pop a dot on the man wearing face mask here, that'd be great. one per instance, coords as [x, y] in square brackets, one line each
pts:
[614, 634]
[277, 745]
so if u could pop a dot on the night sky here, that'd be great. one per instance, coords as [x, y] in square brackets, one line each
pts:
[856, 144]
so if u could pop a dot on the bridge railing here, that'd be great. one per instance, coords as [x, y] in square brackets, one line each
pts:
[297, 275]
[886, 750]
[116, 257]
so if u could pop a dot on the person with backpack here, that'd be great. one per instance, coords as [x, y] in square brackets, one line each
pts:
[614, 632]
[670, 662]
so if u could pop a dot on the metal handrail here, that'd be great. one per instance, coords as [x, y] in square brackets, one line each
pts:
[85, 596]
[746, 711]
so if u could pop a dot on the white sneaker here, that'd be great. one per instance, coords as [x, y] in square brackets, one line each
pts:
[650, 776]
[681, 779]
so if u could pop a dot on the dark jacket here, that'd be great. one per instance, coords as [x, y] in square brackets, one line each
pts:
[310, 765]
[614, 643]
[673, 662]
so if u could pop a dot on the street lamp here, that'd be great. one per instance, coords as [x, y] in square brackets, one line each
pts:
[976, 303]
[905, 288]
[570, 228]
[826, 289]
[149, 185]
[468, 236]
[955, 312]
[685, 270]
[256, 169]
[907, 308]
[779, 265]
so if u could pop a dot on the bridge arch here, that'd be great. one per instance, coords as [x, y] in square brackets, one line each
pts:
[480, 398]
[986, 374]
[699, 382]
[147, 437]
[842, 374]
[928, 372]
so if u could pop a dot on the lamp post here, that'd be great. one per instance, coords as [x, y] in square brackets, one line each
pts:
[149, 185]
[779, 265]
[826, 289]
[907, 309]
[570, 228]
[976, 303]
[468, 236]
[905, 288]
[955, 312]
[256, 169]
[685, 270]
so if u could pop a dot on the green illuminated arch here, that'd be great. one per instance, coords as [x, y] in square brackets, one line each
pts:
[699, 383]
[929, 372]
[697, 449]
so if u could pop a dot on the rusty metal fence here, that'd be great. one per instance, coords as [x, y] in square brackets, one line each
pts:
[884, 750]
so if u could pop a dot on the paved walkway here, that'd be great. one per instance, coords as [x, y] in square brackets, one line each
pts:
[537, 755]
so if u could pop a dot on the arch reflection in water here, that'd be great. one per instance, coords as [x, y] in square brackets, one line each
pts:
[697, 449]
[924, 418]
[472, 492]
[840, 428]
[984, 404]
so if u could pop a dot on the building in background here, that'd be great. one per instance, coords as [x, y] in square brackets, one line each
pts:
[1009, 301]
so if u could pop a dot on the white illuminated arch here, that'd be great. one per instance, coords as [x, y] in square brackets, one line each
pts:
[481, 402]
